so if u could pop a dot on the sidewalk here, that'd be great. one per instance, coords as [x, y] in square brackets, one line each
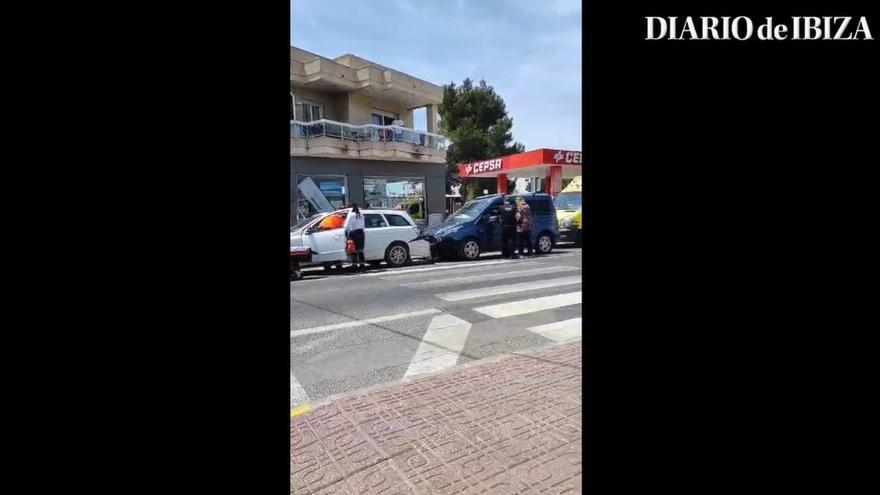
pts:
[511, 426]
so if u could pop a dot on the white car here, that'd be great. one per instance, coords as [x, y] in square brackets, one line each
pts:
[390, 236]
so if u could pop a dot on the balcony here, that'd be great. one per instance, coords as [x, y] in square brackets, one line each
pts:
[327, 138]
[349, 73]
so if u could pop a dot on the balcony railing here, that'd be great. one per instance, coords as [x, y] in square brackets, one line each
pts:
[365, 132]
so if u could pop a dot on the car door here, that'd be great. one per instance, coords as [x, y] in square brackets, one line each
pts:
[402, 228]
[376, 236]
[489, 228]
[327, 239]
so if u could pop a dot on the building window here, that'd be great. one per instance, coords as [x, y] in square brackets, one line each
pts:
[308, 112]
[379, 117]
[319, 193]
[397, 193]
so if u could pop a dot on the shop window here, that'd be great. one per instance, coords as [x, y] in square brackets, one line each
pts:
[374, 221]
[397, 193]
[320, 193]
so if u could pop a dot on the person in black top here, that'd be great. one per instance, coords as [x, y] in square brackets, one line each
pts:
[508, 228]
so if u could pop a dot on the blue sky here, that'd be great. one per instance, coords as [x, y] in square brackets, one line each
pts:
[530, 51]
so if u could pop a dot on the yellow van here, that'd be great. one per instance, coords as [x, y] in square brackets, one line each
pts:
[568, 212]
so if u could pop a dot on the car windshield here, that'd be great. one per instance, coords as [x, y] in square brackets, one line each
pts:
[302, 223]
[568, 201]
[468, 212]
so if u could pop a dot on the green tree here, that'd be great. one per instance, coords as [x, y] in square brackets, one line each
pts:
[475, 120]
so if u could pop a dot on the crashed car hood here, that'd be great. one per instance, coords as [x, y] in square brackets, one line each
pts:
[443, 229]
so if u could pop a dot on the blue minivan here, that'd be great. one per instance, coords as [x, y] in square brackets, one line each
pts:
[476, 227]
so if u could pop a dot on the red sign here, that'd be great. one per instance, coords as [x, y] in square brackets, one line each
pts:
[481, 167]
[534, 158]
[567, 157]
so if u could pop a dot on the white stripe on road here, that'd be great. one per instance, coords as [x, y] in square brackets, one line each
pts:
[298, 394]
[358, 323]
[530, 305]
[444, 266]
[560, 331]
[473, 269]
[509, 289]
[440, 346]
[443, 282]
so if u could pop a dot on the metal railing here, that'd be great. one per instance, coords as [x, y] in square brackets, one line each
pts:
[365, 132]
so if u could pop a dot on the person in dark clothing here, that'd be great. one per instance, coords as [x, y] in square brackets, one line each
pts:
[354, 225]
[508, 228]
[524, 225]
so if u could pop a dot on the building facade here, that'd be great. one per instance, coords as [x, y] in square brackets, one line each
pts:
[352, 138]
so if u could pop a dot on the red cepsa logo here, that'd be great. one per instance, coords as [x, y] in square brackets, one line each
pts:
[484, 166]
[567, 157]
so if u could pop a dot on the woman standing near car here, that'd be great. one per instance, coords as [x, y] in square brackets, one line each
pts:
[354, 226]
[523, 225]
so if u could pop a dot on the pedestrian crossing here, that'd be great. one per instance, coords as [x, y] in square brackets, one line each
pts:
[509, 288]
[516, 308]
[480, 309]
[485, 277]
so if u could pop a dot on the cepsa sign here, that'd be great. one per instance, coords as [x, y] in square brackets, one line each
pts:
[480, 167]
[567, 157]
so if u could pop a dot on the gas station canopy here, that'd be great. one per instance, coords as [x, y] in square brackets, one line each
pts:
[555, 165]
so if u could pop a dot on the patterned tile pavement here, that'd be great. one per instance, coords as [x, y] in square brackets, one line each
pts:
[511, 426]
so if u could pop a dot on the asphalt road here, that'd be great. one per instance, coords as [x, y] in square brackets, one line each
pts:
[351, 331]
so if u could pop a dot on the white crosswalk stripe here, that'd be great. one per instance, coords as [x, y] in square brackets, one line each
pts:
[509, 288]
[444, 266]
[440, 346]
[470, 270]
[358, 323]
[560, 331]
[485, 277]
[298, 394]
[526, 306]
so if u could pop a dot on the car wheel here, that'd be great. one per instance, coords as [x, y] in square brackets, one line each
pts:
[397, 254]
[544, 243]
[470, 249]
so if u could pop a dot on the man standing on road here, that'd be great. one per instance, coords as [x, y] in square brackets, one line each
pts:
[523, 225]
[508, 228]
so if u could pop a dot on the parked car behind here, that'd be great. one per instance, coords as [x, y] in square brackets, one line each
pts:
[476, 227]
[568, 211]
[391, 236]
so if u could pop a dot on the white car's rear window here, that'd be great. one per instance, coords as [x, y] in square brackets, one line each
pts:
[397, 220]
